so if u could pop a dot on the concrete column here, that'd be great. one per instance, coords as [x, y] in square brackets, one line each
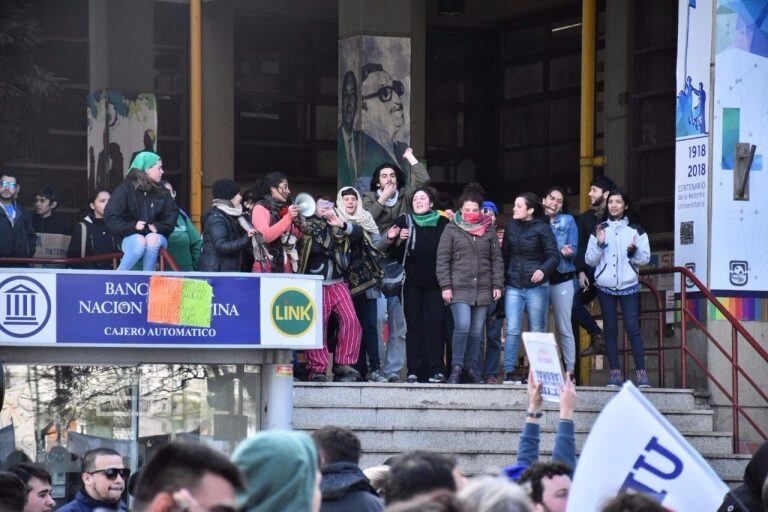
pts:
[277, 396]
[122, 45]
[617, 67]
[393, 18]
[218, 96]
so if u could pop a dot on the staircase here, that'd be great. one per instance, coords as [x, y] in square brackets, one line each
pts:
[481, 424]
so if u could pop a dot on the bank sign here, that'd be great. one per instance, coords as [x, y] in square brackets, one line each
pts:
[103, 308]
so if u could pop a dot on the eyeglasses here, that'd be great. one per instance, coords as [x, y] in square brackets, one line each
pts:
[9, 184]
[111, 473]
[385, 91]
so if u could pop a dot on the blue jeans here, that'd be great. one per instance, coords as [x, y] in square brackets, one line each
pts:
[630, 309]
[468, 323]
[390, 310]
[536, 302]
[141, 247]
[492, 341]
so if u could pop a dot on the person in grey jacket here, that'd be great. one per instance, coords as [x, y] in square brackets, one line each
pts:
[470, 274]
[617, 249]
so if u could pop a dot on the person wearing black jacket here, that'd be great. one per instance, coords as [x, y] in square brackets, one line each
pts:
[91, 237]
[585, 292]
[423, 304]
[224, 239]
[747, 496]
[141, 213]
[46, 220]
[17, 237]
[530, 256]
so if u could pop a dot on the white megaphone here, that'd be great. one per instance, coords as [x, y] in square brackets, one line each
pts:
[306, 204]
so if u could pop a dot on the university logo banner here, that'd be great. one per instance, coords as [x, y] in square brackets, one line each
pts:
[633, 448]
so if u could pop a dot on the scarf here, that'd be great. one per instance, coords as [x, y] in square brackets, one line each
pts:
[392, 201]
[227, 207]
[332, 240]
[324, 207]
[361, 217]
[426, 220]
[475, 224]
[282, 247]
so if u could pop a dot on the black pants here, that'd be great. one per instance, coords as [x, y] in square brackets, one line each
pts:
[425, 315]
[366, 313]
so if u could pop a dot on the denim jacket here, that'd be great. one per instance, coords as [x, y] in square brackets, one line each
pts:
[566, 233]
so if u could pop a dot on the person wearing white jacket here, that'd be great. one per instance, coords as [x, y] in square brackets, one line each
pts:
[617, 249]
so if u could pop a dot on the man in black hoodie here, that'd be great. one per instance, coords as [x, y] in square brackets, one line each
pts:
[17, 237]
[344, 486]
[586, 222]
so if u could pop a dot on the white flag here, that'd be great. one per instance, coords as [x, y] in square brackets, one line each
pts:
[632, 447]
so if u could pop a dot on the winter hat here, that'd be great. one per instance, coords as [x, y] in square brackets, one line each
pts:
[490, 205]
[145, 160]
[225, 189]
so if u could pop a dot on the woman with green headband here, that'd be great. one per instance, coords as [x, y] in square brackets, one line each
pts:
[425, 313]
[141, 213]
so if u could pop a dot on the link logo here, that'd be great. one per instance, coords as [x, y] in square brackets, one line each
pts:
[292, 312]
[25, 307]
[739, 272]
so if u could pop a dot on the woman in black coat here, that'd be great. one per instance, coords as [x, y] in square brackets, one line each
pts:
[91, 237]
[226, 233]
[141, 214]
[530, 256]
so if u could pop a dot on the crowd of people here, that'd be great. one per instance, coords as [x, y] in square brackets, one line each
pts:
[445, 283]
[287, 471]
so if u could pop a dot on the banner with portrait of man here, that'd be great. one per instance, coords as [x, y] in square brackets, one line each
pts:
[374, 104]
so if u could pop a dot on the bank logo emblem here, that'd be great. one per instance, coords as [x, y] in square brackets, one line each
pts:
[739, 273]
[293, 312]
[25, 307]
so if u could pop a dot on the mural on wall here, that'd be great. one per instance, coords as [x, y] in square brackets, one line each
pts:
[693, 56]
[739, 257]
[119, 127]
[374, 104]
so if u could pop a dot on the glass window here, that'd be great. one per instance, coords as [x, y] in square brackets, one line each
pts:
[525, 42]
[524, 124]
[523, 80]
[54, 414]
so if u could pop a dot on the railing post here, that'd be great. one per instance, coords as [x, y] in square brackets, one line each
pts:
[735, 386]
[683, 333]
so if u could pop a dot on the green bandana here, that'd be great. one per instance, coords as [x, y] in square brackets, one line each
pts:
[145, 160]
[428, 219]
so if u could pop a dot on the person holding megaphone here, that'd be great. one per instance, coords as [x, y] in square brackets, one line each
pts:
[273, 217]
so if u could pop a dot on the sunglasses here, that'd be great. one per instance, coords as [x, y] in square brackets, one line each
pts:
[9, 184]
[111, 473]
[385, 91]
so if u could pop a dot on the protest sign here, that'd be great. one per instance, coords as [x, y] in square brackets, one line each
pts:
[541, 348]
[179, 301]
[633, 448]
[51, 245]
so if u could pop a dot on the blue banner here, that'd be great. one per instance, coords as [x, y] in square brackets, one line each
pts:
[95, 308]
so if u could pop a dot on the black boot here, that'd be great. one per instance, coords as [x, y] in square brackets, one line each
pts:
[597, 347]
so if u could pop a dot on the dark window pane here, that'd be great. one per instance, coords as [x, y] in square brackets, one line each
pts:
[523, 164]
[655, 120]
[525, 42]
[169, 116]
[66, 59]
[564, 159]
[524, 124]
[523, 80]
[566, 35]
[564, 118]
[565, 72]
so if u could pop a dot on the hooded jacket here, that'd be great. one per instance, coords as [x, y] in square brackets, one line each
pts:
[280, 470]
[223, 243]
[470, 266]
[749, 493]
[128, 205]
[615, 269]
[529, 246]
[345, 488]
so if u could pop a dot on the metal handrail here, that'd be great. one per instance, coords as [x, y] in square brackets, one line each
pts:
[736, 329]
[165, 259]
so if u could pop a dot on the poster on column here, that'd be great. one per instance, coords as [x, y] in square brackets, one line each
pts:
[739, 243]
[692, 147]
[374, 105]
[119, 127]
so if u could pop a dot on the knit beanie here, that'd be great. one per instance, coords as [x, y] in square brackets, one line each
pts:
[279, 468]
[225, 189]
[490, 205]
[145, 160]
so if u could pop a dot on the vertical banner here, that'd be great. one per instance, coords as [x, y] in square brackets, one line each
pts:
[739, 243]
[119, 127]
[374, 104]
[692, 148]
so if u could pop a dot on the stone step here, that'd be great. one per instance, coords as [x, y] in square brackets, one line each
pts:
[513, 396]
[500, 439]
[730, 468]
[462, 417]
